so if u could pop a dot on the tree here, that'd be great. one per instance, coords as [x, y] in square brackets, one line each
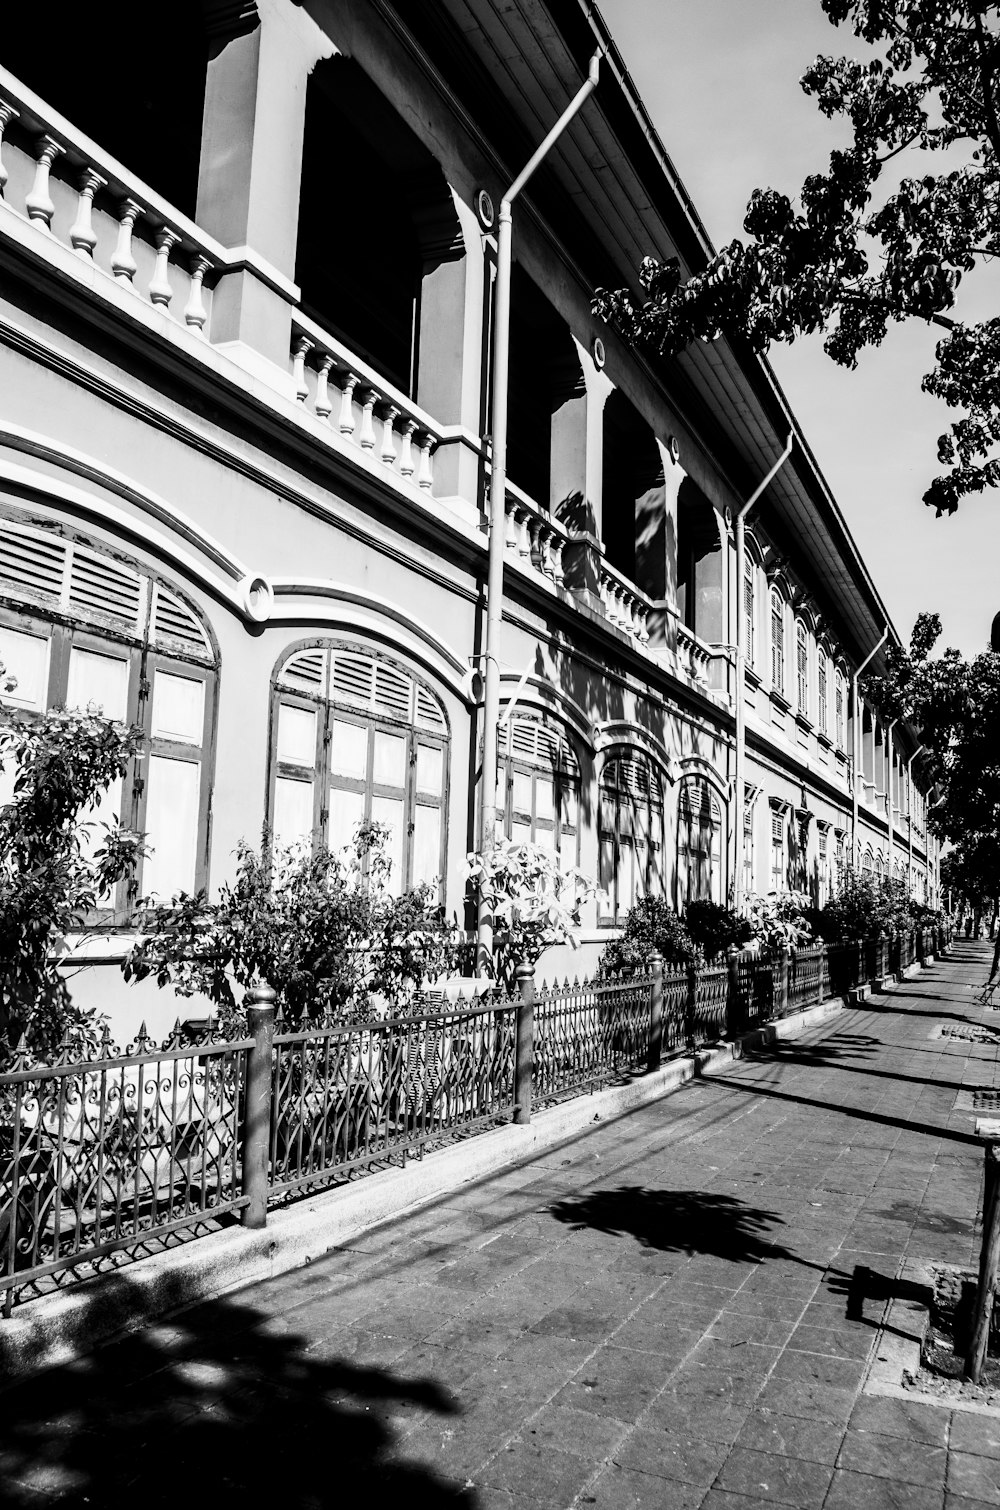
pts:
[847, 260]
[58, 865]
[956, 705]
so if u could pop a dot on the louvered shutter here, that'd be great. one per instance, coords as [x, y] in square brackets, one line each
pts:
[177, 627]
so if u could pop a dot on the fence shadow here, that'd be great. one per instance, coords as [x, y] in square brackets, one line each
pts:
[216, 1407]
[681, 1221]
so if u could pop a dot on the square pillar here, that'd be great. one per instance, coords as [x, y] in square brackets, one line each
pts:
[576, 481]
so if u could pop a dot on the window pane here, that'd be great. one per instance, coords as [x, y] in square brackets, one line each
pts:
[430, 771]
[293, 811]
[606, 858]
[297, 735]
[349, 749]
[98, 679]
[105, 810]
[569, 806]
[390, 760]
[545, 838]
[178, 708]
[26, 657]
[521, 792]
[171, 825]
[390, 812]
[426, 844]
[520, 832]
[544, 798]
[347, 810]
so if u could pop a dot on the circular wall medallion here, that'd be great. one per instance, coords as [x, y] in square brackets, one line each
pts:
[675, 450]
[258, 598]
[485, 209]
[598, 352]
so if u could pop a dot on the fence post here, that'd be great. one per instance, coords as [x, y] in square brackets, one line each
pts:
[524, 1043]
[823, 977]
[257, 1114]
[921, 952]
[691, 1006]
[989, 1129]
[733, 1016]
[781, 981]
[655, 1011]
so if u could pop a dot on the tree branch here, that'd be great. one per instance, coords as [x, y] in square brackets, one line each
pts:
[986, 76]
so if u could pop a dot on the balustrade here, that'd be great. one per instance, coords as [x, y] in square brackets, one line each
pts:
[370, 413]
[532, 537]
[75, 193]
[627, 606]
[694, 657]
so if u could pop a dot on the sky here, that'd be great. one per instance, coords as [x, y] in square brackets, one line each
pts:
[720, 81]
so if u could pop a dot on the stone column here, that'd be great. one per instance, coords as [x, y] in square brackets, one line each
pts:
[576, 481]
[261, 56]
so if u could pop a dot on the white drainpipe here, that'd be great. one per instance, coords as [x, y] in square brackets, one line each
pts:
[739, 796]
[855, 850]
[498, 489]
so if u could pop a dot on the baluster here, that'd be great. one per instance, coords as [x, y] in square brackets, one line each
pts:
[536, 549]
[366, 435]
[347, 387]
[160, 291]
[81, 232]
[545, 545]
[38, 202]
[7, 114]
[643, 624]
[300, 351]
[123, 264]
[406, 462]
[324, 404]
[387, 454]
[425, 474]
[195, 313]
[512, 530]
[524, 535]
[556, 547]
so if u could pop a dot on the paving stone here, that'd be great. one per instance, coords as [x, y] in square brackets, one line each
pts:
[979, 1434]
[870, 1452]
[913, 1420]
[977, 1477]
[671, 1455]
[861, 1491]
[770, 1476]
[812, 1441]
[619, 1488]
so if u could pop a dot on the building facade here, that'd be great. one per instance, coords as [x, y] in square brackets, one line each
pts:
[245, 335]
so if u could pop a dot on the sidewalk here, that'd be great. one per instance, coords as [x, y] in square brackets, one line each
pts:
[664, 1313]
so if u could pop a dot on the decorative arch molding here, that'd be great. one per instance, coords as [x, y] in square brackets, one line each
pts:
[540, 694]
[217, 569]
[316, 600]
[754, 550]
[697, 765]
[616, 733]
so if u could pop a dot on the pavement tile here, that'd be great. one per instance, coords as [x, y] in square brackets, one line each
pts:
[839, 1373]
[976, 1477]
[892, 1457]
[812, 1441]
[671, 1455]
[739, 1357]
[861, 1491]
[914, 1420]
[807, 1398]
[551, 1477]
[770, 1476]
[971, 1432]
[620, 1488]
[848, 1341]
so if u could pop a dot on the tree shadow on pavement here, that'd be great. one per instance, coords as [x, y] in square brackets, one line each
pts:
[880, 1119]
[817, 1056]
[682, 1221]
[217, 1407]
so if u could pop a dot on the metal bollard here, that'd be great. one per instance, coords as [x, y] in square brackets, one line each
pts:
[524, 1043]
[257, 1114]
[655, 1012]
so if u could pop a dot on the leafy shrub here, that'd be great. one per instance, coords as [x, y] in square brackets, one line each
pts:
[534, 902]
[650, 924]
[323, 936]
[715, 927]
[782, 919]
[864, 906]
[58, 866]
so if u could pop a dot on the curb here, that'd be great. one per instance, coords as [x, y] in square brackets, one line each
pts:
[57, 1328]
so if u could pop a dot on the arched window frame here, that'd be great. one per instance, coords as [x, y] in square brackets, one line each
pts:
[538, 786]
[801, 667]
[397, 764]
[823, 669]
[630, 810]
[83, 623]
[840, 709]
[777, 637]
[700, 826]
[778, 846]
[748, 608]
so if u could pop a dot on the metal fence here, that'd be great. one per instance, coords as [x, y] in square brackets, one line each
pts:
[128, 1147]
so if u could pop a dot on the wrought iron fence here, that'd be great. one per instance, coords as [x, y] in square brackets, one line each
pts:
[586, 1032]
[96, 1156]
[348, 1096]
[110, 1152]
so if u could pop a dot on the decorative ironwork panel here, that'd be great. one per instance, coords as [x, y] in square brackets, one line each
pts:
[100, 1156]
[349, 1095]
[675, 994]
[842, 964]
[711, 1004]
[806, 978]
[590, 1031]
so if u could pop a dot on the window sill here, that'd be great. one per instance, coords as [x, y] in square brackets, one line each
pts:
[824, 740]
[753, 677]
[780, 701]
[804, 722]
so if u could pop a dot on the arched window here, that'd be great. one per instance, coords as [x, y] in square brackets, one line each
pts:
[631, 832]
[699, 843]
[356, 737]
[81, 625]
[777, 642]
[779, 868]
[802, 666]
[538, 790]
[822, 710]
[749, 610]
[823, 877]
[841, 712]
[867, 863]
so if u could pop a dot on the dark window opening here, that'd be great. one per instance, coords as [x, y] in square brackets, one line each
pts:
[699, 565]
[544, 373]
[633, 509]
